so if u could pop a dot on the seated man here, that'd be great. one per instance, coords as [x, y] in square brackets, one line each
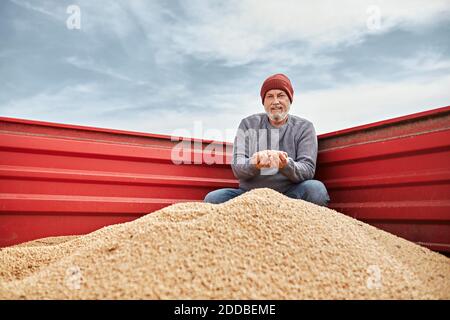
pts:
[289, 163]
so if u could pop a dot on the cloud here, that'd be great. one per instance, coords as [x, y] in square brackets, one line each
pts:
[71, 102]
[39, 9]
[90, 65]
[241, 32]
[426, 61]
[355, 104]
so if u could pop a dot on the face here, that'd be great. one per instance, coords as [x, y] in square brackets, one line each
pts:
[277, 105]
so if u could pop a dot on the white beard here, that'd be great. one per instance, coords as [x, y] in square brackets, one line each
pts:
[278, 116]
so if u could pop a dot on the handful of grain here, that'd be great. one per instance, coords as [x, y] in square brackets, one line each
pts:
[269, 158]
[261, 245]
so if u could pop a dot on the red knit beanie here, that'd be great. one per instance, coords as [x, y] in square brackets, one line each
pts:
[277, 81]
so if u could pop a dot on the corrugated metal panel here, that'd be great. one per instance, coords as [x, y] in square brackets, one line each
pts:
[393, 174]
[61, 179]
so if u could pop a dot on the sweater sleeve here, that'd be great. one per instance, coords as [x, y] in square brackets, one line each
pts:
[304, 166]
[241, 166]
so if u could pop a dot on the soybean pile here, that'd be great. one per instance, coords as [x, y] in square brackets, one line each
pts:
[260, 245]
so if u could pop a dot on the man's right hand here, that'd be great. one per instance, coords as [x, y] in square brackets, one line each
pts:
[269, 159]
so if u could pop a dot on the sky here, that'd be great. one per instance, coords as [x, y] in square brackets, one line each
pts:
[195, 68]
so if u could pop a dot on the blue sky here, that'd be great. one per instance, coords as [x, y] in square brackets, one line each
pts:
[195, 68]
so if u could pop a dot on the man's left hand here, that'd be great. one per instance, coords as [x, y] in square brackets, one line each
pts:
[283, 159]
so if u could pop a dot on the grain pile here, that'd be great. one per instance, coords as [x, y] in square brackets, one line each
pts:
[261, 245]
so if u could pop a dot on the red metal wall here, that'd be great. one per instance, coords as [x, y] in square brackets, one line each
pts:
[60, 179]
[393, 174]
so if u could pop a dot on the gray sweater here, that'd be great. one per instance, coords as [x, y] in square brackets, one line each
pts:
[297, 137]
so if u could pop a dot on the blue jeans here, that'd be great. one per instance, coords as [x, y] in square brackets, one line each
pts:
[312, 191]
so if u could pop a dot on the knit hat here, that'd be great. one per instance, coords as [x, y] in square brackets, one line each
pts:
[277, 81]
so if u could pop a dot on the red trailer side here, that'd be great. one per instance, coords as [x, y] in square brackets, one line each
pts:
[58, 179]
[393, 174]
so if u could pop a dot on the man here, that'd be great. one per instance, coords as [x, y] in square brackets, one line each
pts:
[289, 163]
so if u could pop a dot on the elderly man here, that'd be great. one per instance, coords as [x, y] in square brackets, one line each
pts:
[289, 163]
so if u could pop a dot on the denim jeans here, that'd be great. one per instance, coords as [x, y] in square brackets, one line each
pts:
[312, 191]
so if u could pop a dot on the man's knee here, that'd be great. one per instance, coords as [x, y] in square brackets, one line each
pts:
[314, 191]
[221, 195]
[213, 197]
